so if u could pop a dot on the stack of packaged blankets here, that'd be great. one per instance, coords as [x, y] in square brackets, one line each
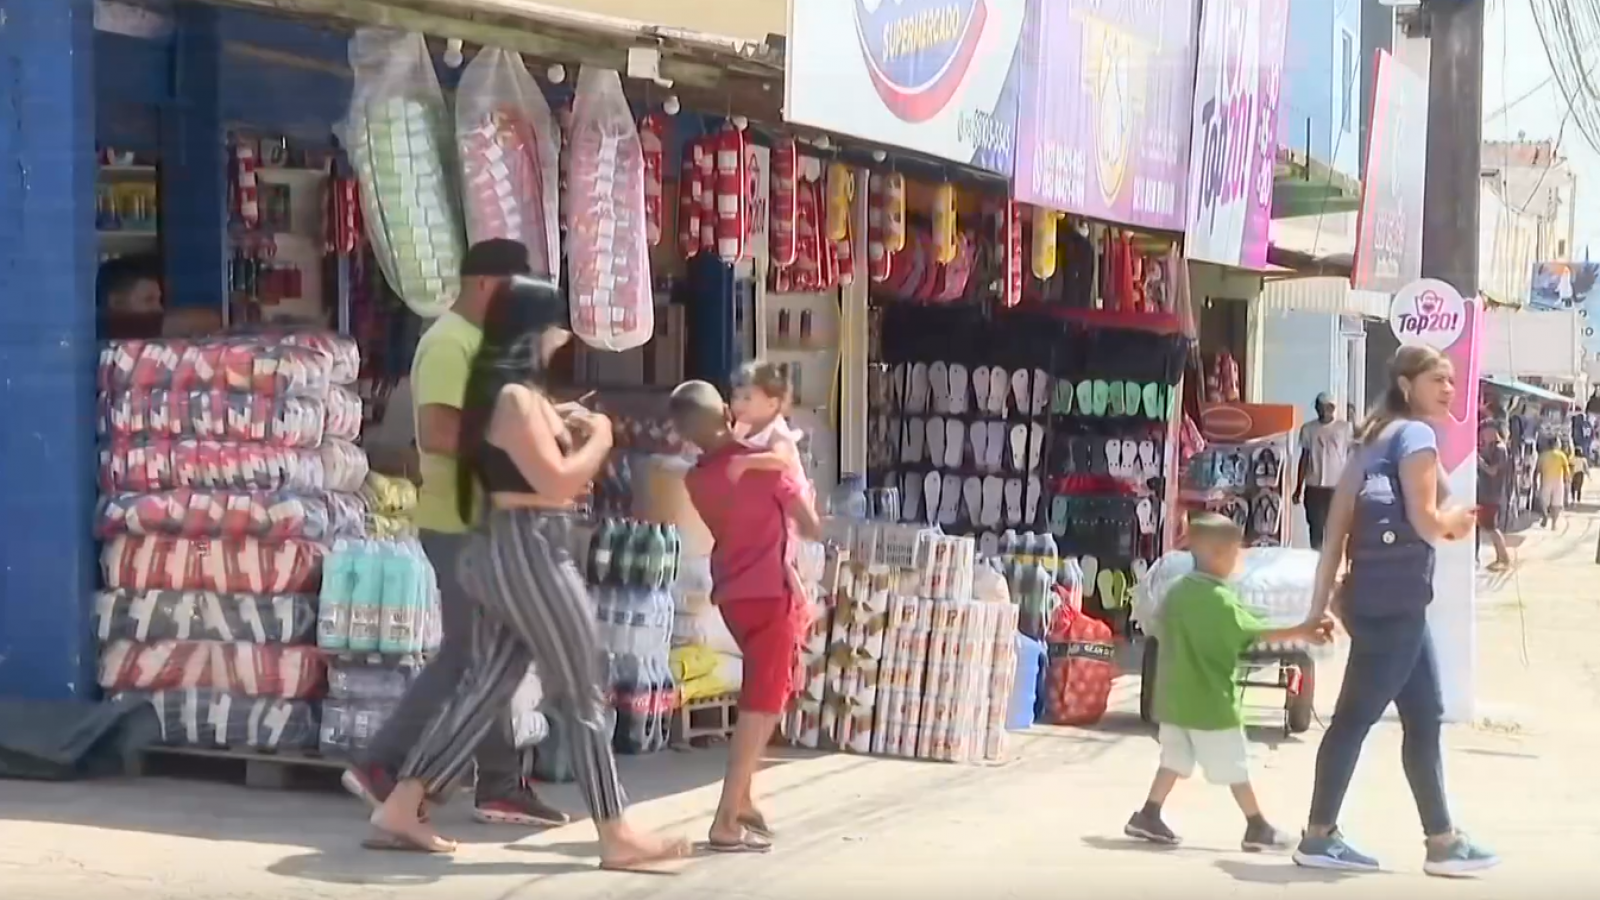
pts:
[227, 470]
[902, 662]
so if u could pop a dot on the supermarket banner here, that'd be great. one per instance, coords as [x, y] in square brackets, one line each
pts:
[1389, 227]
[1232, 150]
[1107, 95]
[1431, 312]
[937, 77]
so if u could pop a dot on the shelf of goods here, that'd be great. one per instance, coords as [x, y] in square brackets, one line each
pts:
[902, 661]
[1244, 481]
[228, 474]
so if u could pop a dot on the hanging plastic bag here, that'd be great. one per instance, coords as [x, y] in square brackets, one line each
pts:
[510, 158]
[608, 254]
[400, 140]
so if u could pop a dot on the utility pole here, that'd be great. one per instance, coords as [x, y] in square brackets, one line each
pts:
[1455, 142]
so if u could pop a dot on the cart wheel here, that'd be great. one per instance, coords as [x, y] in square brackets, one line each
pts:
[1299, 706]
[1147, 682]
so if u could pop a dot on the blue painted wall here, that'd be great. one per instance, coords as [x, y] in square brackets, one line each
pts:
[1324, 70]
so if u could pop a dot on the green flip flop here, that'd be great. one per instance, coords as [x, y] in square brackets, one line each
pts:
[1102, 397]
[1130, 397]
[1115, 397]
[1106, 585]
[1061, 401]
[1152, 400]
[1085, 398]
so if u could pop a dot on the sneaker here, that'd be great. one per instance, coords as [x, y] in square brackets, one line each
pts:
[1150, 828]
[519, 807]
[370, 783]
[1263, 837]
[1458, 859]
[1332, 852]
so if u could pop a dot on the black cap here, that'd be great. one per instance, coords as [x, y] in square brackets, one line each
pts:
[496, 258]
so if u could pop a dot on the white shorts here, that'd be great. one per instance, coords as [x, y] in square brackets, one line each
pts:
[1222, 755]
[1552, 495]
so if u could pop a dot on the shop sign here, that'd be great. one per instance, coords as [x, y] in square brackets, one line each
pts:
[1107, 94]
[1232, 150]
[933, 76]
[1388, 252]
[1431, 312]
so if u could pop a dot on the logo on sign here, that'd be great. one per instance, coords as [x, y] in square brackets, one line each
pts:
[1428, 312]
[918, 52]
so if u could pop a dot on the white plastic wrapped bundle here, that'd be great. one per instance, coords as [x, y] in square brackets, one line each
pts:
[1275, 583]
[401, 142]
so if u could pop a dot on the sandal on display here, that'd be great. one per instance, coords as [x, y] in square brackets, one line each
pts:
[972, 497]
[917, 391]
[1102, 397]
[1021, 397]
[1062, 403]
[999, 386]
[1116, 398]
[939, 387]
[1152, 401]
[997, 446]
[1041, 391]
[1085, 397]
[1013, 501]
[1091, 571]
[950, 500]
[911, 504]
[993, 494]
[935, 437]
[1019, 447]
[978, 436]
[911, 445]
[955, 443]
[932, 483]
[980, 388]
[1059, 508]
[1131, 393]
[1266, 468]
[957, 401]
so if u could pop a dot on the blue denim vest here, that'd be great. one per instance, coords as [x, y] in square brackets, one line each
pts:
[1391, 565]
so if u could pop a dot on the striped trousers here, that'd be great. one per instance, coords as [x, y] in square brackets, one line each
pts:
[532, 607]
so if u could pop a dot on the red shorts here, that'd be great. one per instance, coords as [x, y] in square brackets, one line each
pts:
[769, 634]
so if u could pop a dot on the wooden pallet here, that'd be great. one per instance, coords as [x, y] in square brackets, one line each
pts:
[254, 769]
[712, 717]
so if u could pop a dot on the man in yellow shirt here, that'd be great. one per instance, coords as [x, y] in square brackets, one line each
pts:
[438, 388]
[1555, 471]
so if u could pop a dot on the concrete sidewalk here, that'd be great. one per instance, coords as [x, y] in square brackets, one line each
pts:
[1521, 778]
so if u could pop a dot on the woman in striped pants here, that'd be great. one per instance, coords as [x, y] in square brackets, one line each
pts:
[532, 459]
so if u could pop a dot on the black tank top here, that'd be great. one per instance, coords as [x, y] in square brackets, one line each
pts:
[499, 474]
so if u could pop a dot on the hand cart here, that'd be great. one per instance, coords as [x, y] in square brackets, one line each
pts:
[1292, 671]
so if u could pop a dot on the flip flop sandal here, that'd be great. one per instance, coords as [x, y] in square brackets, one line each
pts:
[980, 387]
[999, 385]
[1115, 395]
[939, 386]
[897, 386]
[911, 505]
[957, 401]
[989, 544]
[1041, 391]
[935, 438]
[748, 843]
[1059, 509]
[1130, 397]
[1036, 434]
[1147, 459]
[1019, 447]
[1130, 459]
[1267, 515]
[1091, 569]
[993, 493]
[395, 842]
[911, 443]
[1114, 457]
[1085, 394]
[950, 500]
[978, 436]
[1102, 397]
[757, 826]
[932, 483]
[1119, 588]
[955, 443]
[1141, 568]
[1106, 586]
[1152, 400]
[1061, 404]
[917, 391]
[972, 496]
[997, 446]
[1014, 501]
[1145, 514]
[1021, 397]
[1035, 490]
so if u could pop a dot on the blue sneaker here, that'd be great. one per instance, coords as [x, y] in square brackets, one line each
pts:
[1332, 852]
[1458, 859]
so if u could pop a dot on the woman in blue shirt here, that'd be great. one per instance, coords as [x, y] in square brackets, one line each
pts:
[1388, 511]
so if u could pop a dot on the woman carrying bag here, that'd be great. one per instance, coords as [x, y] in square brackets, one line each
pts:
[1389, 510]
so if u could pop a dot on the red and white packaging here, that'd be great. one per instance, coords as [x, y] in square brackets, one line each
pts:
[690, 189]
[247, 201]
[147, 563]
[732, 201]
[783, 200]
[613, 306]
[652, 139]
[1082, 666]
[879, 257]
[253, 670]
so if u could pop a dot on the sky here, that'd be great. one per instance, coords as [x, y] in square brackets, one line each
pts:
[1514, 63]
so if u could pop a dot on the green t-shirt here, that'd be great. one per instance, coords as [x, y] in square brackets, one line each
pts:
[439, 378]
[1202, 631]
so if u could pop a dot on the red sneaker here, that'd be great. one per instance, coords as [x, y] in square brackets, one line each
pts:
[519, 807]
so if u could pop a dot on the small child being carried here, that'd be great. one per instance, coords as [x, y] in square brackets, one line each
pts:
[761, 396]
[1202, 630]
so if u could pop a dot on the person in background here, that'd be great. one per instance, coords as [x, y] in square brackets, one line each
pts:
[439, 373]
[1203, 630]
[1390, 508]
[752, 521]
[129, 298]
[1555, 479]
[524, 462]
[1324, 449]
[1494, 468]
[1580, 467]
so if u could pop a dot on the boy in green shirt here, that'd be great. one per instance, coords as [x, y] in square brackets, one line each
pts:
[1202, 631]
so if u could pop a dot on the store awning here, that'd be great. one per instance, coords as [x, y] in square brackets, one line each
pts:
[1326, 294]
[1529, 390]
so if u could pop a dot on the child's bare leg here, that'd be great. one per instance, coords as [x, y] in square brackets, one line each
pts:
[1161, 787]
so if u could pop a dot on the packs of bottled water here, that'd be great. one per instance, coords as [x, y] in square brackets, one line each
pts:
[1275, 583]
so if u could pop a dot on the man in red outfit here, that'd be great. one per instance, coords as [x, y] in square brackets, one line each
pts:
[752, 520]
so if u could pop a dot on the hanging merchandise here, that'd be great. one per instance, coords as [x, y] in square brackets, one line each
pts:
[732, 197]
[1241, 472]
[784, 207]
[705, 165]
[880, 259]
[1010, 242]
[613, 305]
[341, 219]
[690, 193]
[401, 142]
[652, 138]
[246, 196]
[510, 158]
